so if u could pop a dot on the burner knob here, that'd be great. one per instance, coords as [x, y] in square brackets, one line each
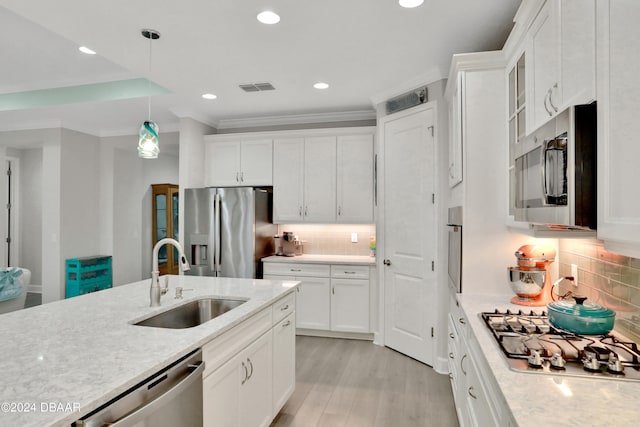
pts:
[615, 365]
[534, 359]
[591, 362]
[557, 362]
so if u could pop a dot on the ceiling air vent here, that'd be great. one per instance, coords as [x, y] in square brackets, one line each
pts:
[256, 87]
[407, 100]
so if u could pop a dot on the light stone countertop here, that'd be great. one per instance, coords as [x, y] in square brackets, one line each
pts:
[545, 400]
[84, 351]
[322, 259]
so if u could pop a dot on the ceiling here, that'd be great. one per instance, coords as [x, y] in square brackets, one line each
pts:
[363, 48]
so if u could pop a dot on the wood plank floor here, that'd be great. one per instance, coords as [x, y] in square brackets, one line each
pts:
[355, 383]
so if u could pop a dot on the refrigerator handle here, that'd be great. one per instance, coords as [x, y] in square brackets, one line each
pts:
[216, 232]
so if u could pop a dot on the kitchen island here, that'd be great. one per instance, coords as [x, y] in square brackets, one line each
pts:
[540, 399]
[59, 361]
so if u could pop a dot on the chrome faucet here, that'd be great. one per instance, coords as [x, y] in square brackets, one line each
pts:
[156, 290]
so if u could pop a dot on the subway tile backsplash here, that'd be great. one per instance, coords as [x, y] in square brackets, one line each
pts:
[606, 278]
[332, 239]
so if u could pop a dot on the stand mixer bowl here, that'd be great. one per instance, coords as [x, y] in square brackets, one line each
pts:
[527, 282]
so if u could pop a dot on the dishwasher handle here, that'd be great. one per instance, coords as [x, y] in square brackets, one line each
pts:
[141, 413]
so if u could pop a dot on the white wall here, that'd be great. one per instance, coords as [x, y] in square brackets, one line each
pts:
[51, 222]
[30, 211]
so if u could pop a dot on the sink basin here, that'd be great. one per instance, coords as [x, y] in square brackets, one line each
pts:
[191, 314]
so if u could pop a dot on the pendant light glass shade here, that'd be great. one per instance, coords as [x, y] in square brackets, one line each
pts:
[148, 140]
[148, 144]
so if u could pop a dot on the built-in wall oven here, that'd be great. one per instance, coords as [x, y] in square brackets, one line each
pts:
[454, 224]
[555, 171]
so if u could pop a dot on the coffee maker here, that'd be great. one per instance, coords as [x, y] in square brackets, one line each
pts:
[287, 244]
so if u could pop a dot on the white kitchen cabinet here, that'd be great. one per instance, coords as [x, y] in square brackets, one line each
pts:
[284, 361]
[288, 180]
[320, 179]
[238, 163]
[455, 132]
[618, 125]
[334, 298]
[561, 49]
[313, 303]
[250, 370]
[239, 392]
[355, 179]
[304, 180]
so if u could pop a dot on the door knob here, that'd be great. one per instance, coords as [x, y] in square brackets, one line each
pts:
[386, 262]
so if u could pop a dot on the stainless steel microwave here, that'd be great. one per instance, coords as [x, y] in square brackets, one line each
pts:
[555, 171]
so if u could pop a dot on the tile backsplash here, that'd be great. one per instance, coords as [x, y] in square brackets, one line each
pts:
[332, 239]
[606, 278]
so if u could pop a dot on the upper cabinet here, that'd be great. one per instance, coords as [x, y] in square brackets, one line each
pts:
[561, 55]
[355, 180]
[618, 68]
[238, 163]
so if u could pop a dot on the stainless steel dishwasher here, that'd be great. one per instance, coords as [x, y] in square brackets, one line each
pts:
[170, 397]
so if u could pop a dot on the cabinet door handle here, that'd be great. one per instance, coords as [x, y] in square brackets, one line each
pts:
[287, 323]
[461, 320]
[241, 176]
[551, 97]
[250, 364]
[451, 356]
[246, 374]
[339, 210]
[306, 211]
[285, 308]
[299, 210]
[471, 393]
[462, 367]
[453, 337]
[333, 290]
[237, 176]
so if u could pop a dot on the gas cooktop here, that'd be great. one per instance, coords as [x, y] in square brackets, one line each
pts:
[531, 344]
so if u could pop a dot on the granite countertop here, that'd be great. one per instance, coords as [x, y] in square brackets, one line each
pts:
[61, 360]
[323, 259]
[536, 399]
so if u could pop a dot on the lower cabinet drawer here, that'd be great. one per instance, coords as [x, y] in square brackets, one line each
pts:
[296, 269]
[350, 271]
[283, 307]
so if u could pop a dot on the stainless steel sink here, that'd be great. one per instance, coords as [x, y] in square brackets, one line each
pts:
[191, 314]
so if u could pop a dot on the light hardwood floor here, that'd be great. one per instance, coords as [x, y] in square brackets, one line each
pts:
[358, 384]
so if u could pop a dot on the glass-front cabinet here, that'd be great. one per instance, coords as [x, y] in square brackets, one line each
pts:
[165, 224]
[517, 121]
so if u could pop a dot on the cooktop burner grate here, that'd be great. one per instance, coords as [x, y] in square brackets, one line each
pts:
[531, 344]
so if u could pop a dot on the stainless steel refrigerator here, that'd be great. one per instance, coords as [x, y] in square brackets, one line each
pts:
[228, 230]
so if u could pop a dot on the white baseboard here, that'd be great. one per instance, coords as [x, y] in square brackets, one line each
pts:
[332, 334]
[34, 289]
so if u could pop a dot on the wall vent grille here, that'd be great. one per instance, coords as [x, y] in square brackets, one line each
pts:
[256, 87]
[407, 100]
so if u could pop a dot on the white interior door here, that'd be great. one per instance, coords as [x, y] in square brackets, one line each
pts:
[409, 234]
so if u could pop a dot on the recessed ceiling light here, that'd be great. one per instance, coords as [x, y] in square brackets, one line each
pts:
[209, 96]
[321, 85]
[410, 3]
[86, 50]
[268, 17]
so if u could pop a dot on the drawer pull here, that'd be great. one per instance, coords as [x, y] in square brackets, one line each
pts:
[450, 355]
[453, 337]
[287, 323]
[295, 269]
[286, 307]
[471, 393]
[461, 320]
[349, 272]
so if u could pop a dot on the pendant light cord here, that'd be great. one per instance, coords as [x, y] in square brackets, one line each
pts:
[149, 78]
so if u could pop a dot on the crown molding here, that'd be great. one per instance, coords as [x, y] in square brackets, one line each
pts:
[188, 114]
[472, 61]
[295, 119]
[523, 19]
[430, 76]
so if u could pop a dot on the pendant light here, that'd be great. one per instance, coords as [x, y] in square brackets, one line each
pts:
[148, 141]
